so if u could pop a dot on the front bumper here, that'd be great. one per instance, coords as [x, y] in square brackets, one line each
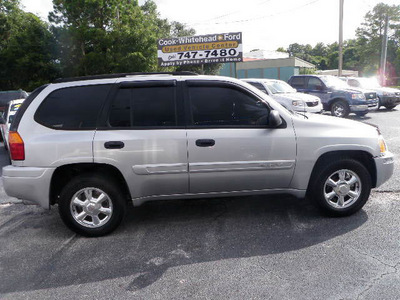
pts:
[27, 183]
[390, 100]
[369, 105]
[384, 168]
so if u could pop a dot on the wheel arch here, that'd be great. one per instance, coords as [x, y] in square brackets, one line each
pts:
[330, 103]
[63, 174]
[361, 156]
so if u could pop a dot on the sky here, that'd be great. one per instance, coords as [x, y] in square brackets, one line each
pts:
[265, 24]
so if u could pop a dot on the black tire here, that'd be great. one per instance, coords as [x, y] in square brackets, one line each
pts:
[361, 114]
[321, 189]
[390, 107]
[340, 109]
[113, 202]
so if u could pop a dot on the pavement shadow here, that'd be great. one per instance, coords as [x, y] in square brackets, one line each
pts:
[39, 252]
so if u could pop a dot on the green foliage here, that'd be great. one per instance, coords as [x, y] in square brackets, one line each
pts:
[107, 36]
[27, 49]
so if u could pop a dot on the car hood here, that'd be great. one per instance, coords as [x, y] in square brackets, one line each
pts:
[321, 121]
[296, 96]
[387, 90]
[357, 90]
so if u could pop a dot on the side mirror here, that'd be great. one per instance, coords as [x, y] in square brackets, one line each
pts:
[274, 119]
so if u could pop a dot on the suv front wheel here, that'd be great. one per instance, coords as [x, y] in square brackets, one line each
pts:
[340, 109]
[342, 187]
[90, 205]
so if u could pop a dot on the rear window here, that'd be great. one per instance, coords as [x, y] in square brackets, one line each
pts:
[20, 112]
[297, 82]
[73, 108]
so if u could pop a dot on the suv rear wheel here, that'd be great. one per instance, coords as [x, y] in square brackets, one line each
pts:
[342, 187]
[90, 205]
[340, 109]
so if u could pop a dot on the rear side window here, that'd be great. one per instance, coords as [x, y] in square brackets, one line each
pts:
[142, 107]
[21, 111]
[297, 82]
[73, 108]
[259, 86]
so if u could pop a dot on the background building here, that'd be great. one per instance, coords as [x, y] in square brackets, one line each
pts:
[266, 64]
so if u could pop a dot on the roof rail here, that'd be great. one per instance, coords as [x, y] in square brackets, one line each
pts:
[117, 75]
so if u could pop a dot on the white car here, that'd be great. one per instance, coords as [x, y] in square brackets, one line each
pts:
[287, 96]
[8, 117]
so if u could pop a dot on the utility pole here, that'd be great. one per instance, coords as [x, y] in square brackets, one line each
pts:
[341, 2]
[384, 51]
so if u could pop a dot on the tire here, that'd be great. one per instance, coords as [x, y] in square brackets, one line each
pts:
[361, 114]
[91, 205]
[390, 107]
[341, 187]
[379, 103]
[340, 109]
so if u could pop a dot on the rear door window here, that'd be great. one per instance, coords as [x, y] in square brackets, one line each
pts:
[73, 107]
[297, 82]
[142, 107]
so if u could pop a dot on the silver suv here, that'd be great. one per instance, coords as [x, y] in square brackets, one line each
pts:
[93, 145]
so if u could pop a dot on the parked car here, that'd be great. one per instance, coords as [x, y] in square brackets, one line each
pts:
[287, 96]
[7, 118]
[92, 145]
[336, 96]
[7, 96]
[388, 97]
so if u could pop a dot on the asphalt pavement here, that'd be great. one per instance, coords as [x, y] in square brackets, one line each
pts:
[260, 247]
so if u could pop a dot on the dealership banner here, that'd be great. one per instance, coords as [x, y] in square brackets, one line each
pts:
[201, 49]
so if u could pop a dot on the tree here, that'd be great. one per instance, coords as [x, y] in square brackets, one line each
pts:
[370, 35]
[27, 49]
[107, 36]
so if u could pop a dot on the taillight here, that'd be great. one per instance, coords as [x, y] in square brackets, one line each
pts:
[16, 146]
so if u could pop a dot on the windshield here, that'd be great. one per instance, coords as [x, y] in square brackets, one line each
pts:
[334, 82]
[279, 87]
[369, 82]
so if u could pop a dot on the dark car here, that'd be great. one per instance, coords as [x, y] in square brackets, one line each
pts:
[336, 95]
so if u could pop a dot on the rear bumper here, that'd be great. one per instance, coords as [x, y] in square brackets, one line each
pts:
[27, 183]
[384, 168]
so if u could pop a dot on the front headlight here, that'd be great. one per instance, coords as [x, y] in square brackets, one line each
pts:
[382, 144]
[297, 103]
[358, 96]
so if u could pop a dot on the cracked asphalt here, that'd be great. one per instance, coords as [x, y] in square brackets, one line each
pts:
[275, 247]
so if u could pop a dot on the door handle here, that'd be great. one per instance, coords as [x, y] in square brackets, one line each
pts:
[114, 145]
[205, 143]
